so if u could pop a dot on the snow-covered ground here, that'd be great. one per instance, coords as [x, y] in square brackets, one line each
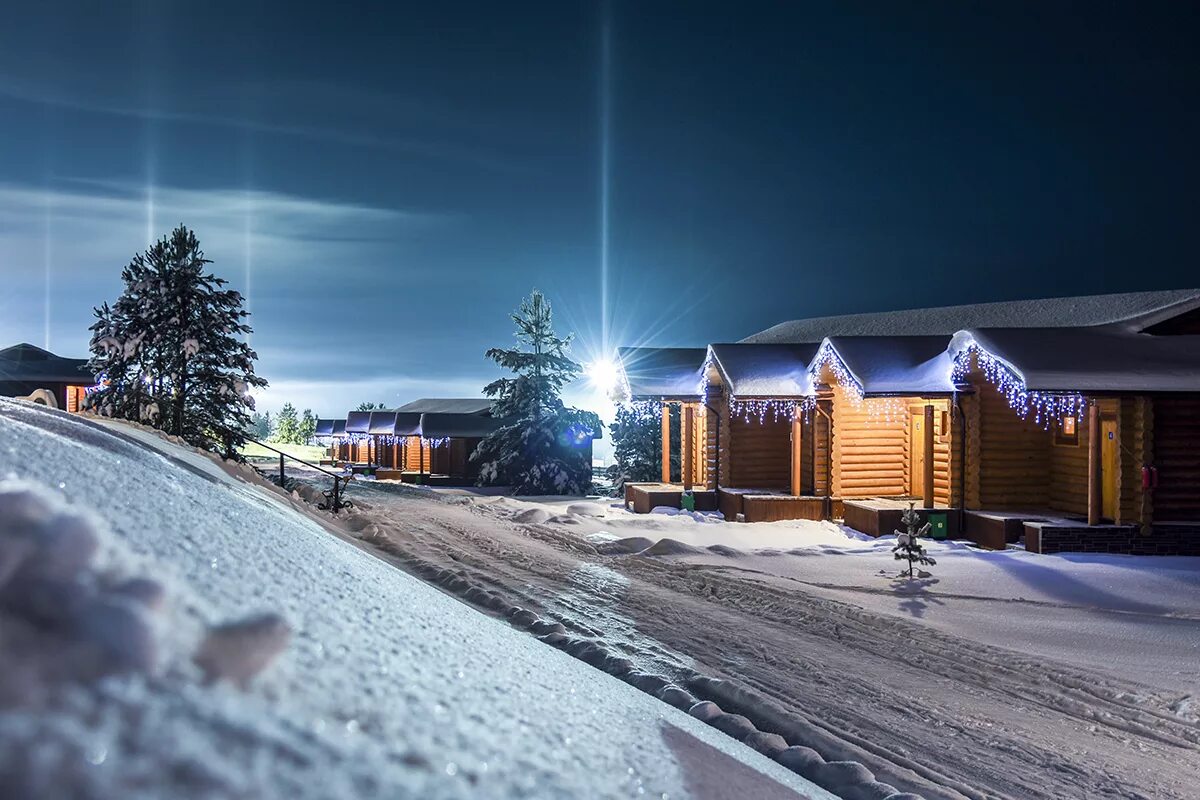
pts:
[121, 669]
[1125, 615]
[999, 675]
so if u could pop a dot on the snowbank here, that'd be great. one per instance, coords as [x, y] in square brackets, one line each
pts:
[386, 687]
[1125, 615]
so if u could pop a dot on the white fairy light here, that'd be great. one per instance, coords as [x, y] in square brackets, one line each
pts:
[827, 356]
[1047, 407]
[776, 408]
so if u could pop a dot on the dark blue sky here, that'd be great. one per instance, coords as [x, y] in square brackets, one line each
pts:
[387, 180]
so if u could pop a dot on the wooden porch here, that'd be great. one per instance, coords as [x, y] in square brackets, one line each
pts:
[641, 498]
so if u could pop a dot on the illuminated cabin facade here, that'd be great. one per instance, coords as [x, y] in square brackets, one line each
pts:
[1074, 438]
[667, 384]
[32, 373]
[426, 441]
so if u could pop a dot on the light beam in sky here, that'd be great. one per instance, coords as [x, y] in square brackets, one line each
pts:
[47, 260]
[605, 115]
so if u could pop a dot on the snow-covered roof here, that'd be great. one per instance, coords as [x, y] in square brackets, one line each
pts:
[1106, 358]
[26, 362]
[670, 372]
[358, 422]
[764, 370]
[884, 365]
[1135, 310]
[439, 426]
[449, 405]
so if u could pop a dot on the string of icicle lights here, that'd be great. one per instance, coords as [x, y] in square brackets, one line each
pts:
[357, 438]
[1047, 407]
[643, 410]
[776, 410]
[828, 357]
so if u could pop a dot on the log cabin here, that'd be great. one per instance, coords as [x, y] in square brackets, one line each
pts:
[655, 380]
[768, 462]
[29, 372]
[989, 428]
[1081, 439]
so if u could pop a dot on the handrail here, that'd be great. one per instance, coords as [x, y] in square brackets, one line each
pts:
[297, 459]
[334, 497]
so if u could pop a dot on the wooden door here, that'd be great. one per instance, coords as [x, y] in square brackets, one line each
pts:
[1109, 453]
[916, 453]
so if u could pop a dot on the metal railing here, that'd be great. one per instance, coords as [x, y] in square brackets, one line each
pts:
[333, 499]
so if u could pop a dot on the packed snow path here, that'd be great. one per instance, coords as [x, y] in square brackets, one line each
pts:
[386, 688]
[924, 709]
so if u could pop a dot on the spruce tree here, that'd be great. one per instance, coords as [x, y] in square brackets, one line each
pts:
[541, 449]
[307, 428]
[637, 444]
[908, 548]
[370, 407]
[171, 349]
[287, 425]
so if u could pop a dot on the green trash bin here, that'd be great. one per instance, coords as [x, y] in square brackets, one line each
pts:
[688, 501]
[939, 528]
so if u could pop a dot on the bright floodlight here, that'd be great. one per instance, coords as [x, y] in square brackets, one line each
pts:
[604, 374]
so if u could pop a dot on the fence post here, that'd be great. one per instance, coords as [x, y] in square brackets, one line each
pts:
[281, 469]
[336, 490]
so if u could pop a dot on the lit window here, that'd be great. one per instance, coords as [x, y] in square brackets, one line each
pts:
[1068, 426]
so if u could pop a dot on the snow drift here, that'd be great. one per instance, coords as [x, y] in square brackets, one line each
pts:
[238, 649]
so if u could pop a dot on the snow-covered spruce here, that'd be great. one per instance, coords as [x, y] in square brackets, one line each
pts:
[538, 451]
[169, 351]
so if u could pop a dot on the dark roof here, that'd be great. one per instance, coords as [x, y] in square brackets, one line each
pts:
[339, 427]
[28, 363]
[1133, 310]
[670, 372]
[896, 364]
[1108, 358]
[358, 422]
[438, 426]
[764, 370]
[324, 427]
[448, 405]
[382, 423]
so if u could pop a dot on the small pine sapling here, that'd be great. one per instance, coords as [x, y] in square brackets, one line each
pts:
[908, 548]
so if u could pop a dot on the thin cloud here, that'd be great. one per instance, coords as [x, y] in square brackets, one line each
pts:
[438, 150]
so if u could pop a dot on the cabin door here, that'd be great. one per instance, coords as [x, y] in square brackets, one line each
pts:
[1108, 468]
[916, 453]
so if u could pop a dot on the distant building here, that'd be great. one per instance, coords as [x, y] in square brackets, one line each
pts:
[32, 373]
[426, 441]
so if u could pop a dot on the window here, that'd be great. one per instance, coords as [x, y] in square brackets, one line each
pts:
[1067, 432]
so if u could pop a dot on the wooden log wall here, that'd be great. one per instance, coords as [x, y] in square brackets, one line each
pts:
[699, 445]
[945, 448]
[712, 424]
[1176, 425]
[822, 439]
[1010, 460]
[760, 453]
[1137, 505]
[1068, 490]
[412, 454]
[870, 453]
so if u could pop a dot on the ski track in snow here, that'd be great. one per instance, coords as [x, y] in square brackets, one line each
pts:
[924, 709]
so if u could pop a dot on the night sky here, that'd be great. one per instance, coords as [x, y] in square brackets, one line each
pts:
[386, 181]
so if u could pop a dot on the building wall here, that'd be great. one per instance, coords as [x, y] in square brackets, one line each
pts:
[1176, 425]
[870, 450]
[760, 453]
[1009, 462]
